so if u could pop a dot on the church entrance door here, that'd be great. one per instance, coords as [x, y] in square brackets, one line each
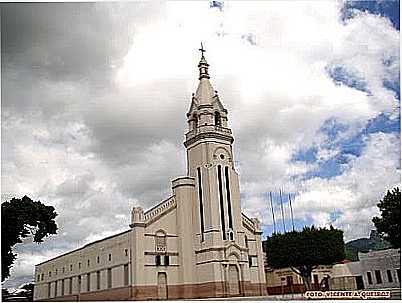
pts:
[234, 288]
[162, 286]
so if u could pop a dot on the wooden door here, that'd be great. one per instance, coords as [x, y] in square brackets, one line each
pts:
[162, 286]
[234, 288]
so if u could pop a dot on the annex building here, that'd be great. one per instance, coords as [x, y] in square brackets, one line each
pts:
[195, 244]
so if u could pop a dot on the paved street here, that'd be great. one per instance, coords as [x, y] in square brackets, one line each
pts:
[286, 297]
[395, 295]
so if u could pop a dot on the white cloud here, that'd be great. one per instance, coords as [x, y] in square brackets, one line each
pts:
[354, 193]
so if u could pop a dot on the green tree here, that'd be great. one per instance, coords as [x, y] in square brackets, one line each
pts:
[28, 291]
[305, 250]
[389, 224]
[21, 218]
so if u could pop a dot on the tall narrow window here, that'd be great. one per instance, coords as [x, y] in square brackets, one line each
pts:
[389, 275]
[110, 257]
[55, 288]
[158, 260]
[125, 274]
[48, 289]
[109, 278]
[378, 277]
[195, 121]
[98, 277]
[398, 273]
[62, 287]
[217, 119]
[88, 282]
[70, 286]
[369, 278]
[166, 260]
[221, 202]
[79, 284]
[201, 206]
[228, 197]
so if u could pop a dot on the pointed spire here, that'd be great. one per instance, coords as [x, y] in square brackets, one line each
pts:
[205, 92]
[203, 65]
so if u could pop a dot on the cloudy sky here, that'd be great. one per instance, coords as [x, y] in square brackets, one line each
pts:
[94, 98]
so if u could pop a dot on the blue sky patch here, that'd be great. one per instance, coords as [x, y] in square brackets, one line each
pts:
[382, 123]
[332, 128]
[216, 4]
[307, 155]
[299, 224]
[349, 148]
[341, 76]
[333, 216]
[393, 86]
[388, 9]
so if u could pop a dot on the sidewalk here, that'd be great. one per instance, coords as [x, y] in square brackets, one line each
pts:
[285, 297]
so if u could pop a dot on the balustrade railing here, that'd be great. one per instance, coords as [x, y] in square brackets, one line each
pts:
[158, 209]
[208, 128]
[247, 220]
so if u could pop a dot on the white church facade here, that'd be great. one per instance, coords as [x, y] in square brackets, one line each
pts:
[195, 244]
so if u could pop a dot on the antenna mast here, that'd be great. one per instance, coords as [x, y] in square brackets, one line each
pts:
[291, 212]
[283, 217]
[272, 210]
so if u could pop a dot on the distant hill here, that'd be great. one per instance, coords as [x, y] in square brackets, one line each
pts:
[374, 242]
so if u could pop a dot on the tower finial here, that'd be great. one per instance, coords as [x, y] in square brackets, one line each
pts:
[202, 50]
[203, 65]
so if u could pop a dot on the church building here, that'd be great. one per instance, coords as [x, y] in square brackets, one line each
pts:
[195, 244]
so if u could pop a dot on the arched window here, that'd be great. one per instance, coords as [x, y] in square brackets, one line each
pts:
[231, 235]
[217, 119]
[160, 241]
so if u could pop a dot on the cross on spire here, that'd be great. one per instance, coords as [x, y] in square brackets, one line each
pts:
[203, 65]
[202, 50]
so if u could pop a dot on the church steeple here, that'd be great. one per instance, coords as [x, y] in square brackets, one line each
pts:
[207, 116]
[210, 162]
[205, 92]
[203, 65]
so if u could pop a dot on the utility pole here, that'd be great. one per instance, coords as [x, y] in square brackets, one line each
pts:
[283, 217]
[272, 210]
[291, 213]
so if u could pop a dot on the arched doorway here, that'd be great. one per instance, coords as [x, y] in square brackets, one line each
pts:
[162, 286]
[234, 281]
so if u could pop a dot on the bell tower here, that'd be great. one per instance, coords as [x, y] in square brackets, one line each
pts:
[210, 161]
